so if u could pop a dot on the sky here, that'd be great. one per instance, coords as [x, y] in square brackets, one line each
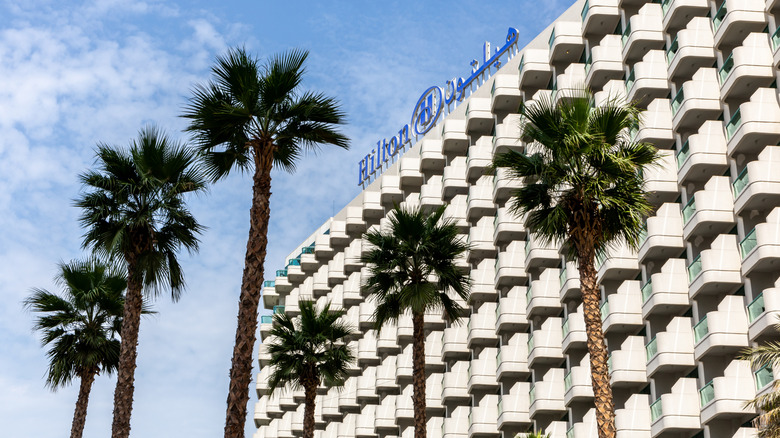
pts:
[73, 74]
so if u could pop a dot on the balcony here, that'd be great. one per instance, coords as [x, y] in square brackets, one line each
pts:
[678, 411]
[335, 271]
[409, 172]
[270, 297]
[628, 365]
[644, 32]
[348, 398]
[482, 372]
[508, 228]
[480, 200]
[760, 248]
[507, 136]
[405, 330]
[534, 71]
[679, 12]
[479, 119]
[431, 157]
[544, 344]
[577, 383]
[456, 425]
[647, 80]
[430, 193]
[735, 19]
[546, 395]
[509, 267]
[565, 42]
[711, 210]
[569, 280]
[385, 376]
[661, 179]
[366, 383]
[513, 407]
[619, 263]
[749, 67]
[482, 326]
[454, 179]
[697, 100]
[763, 313]
[724, 398]
[330, 406]
[573, 331]
[510, 314]
[504, 93]
[512, 358]
[364, 424]
[453, 136]
[599, 17]
[372, 207]
[723, 331]
[663, 237]
[404, 365]
[455, 383]
[692, 49]
[456, 212]
[634, 419]
[539, 254]
[352, 291]
[262, 382]
[454, 344]
[433, 350]
[586, 428]
[622, 311]
[655, 125]
[390, 190]
[703, 155]
[757, 187]
[672, 349]
[479, 158]
[604, 62]
[569, 83]
[613, 90]
[387, 340]
[367, 354]
[433, 390]
[482, 278]
[483, 417]
[384, 420]
[716, 270]
[755, 124]
[367, 314]
[543, 295]
[355, 222]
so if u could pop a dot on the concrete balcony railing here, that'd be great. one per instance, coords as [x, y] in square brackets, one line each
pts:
[430, 192]
[586, 428]
[599, 17]
[457, 424]
[481, 241]
[510, 266]
[614, 90]
[482, 326]
[387, 340]
[409, 173]
[433, 350]
[577, 385]
[534, 71]
[479, 202]
[716, 270]
[372, 210]
[633, 420]
[677, 411]
[513, 407]
[755, 124]
[385, 376]
[510, 313]
[565, 42]
[454, 342]
[367, 353]
[655, 124]
[354, 221]
[672, 349]
[364, 424]
[569, 83]
[456, 212]
[663, 235]
[542, 295]
[749, 67]
[679, 12]
[604, 63]
[479, 157]
[760, 249]
[628, 365]
[404, 366]
[404, 407]
[725, 397]
[709, 211]
[661, 179]
[704, 154]
[622, 311]
[512, 358]
[764, 312]
[737, 18]
[692, 49]
[454, 178]
[647, 80]
[544, 344]
[724, 330]
[697, 100]
[483, 418]
[508, 228]
[507, 136]
[482, 281]
[546, 395]
[757, 187]
[644, 32]
[366, 384]
[504, 93]
[453, 136]
[479, 119]
[455, 382]
[433, 391]
[335, 270]
[573, 331]
[538, 254]
[390, 190]
[569, 281]
[384, 420]
[482, 372]
[666, 291]
[348, 398]
[619, 263]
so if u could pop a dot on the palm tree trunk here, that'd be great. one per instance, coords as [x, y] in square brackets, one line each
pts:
[251, 284]
[80, 415]
[599, 371]
[310, 392]
[128, 352]
[418, 374]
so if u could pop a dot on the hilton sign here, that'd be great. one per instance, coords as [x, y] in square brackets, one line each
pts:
[434, 104]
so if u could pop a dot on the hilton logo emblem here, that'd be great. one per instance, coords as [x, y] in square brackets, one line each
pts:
[427, 111]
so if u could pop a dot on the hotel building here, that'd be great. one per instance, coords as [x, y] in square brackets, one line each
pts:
[702, 286]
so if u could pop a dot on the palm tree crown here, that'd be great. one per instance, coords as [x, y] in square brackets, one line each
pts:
[768, 420]
[309, 350]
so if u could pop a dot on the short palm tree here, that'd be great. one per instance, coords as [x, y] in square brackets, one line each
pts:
[412, 271]
[81, 327]
[307, 351]
[583, 187]
[253, 116]
[768, 420]
[133, 210]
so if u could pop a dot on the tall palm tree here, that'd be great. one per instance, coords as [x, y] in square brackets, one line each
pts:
[412, 271]
[768, 420]
[80, 326]
[309, 350]
[133, 210]
[583, 187]
[253, 116]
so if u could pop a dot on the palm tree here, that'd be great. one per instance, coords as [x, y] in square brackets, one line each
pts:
[80, 326]
[133, 210]
[253, 116]
[768, 421]
[412, 270]
[583, 187]
[307, 351]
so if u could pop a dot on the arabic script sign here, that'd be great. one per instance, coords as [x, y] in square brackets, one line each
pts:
[434, 104]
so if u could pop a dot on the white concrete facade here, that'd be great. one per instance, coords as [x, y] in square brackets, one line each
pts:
[703, 285]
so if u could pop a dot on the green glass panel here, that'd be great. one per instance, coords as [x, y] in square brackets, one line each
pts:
[733, 124]
[630, 80]
[643, 235]
[764, 377]
[528, 294]
[266, 319]
[725, 71]
[552, 38]
[585, 9]
[706, 394]
[656, 410]
[626, 34]
[741, 182]
[278, 309]
[756, 308]
[677, 102]
[567, 381]
[700, 330]
[683, 154]
[532, 395]
[748, 243]
[694, 269]
[562, 277]
[588, 63]
[604, 310]
[522, 64]
[609, 364]
[651, 349]
[717, 19]
[530, 343]
[281, 272]
[269, 283]
[500, 406]
[671, 52]
[294, 262]
[647, 290]
[565, 327]
[570, 432]
[776, 39]
[527, 246]
[689, 209]
[307, 250]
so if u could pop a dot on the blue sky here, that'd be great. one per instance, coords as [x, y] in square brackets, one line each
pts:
[73, 74]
